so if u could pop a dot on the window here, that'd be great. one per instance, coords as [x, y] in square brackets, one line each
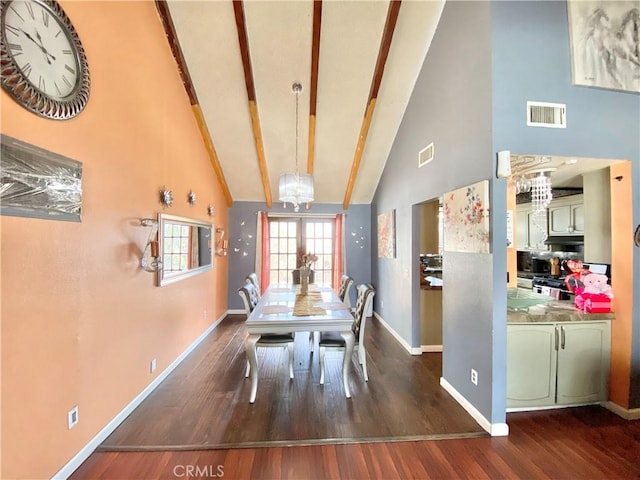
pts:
[290, 238]
[176, 247]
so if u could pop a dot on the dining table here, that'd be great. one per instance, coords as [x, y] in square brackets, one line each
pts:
[283, 309]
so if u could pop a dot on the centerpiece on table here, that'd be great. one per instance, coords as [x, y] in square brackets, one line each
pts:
[304, 272]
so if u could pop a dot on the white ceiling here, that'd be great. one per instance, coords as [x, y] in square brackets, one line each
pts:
[280, 40]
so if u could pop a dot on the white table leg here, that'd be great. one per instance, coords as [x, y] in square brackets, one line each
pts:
[349, 340]
[250, 349]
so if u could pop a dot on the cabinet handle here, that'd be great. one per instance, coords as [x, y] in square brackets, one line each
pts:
[555, 346]
[562, 341]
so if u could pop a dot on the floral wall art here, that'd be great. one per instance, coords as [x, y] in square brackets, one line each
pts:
[387, 234]
[466, 219]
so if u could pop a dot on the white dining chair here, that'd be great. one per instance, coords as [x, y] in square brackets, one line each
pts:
[250, 297]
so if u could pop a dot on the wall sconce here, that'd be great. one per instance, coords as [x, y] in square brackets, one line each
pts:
[222, 246]
[151, 260]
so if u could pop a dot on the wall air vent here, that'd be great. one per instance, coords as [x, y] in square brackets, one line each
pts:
[425, 155]
[542, 114]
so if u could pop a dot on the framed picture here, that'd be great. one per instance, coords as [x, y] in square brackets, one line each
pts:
[387, 234]
[605, 49]
[466, 219]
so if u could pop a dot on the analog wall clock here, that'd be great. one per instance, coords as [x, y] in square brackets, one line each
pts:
[44, 67]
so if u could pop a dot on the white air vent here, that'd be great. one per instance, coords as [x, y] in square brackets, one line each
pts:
[551, 115]
[425, 155]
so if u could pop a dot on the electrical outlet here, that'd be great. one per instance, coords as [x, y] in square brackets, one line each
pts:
[72, 417]
[152, 368]
[381, 304]
[204, 315]
[474, 377]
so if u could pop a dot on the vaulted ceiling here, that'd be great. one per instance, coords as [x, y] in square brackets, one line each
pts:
[357, 62]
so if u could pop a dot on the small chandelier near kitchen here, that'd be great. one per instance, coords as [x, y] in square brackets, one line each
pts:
[296, 188]
[541, 194]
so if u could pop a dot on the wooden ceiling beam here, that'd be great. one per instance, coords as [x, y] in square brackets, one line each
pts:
[176, 50]
[383, 54]
[243, 40]
[313, 90]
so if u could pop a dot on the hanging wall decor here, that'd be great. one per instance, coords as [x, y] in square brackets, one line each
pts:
[605, 47]
[466, 219]
[37, 183]
[387, 234]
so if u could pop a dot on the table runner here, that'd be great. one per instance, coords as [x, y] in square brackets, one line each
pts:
[305, 304]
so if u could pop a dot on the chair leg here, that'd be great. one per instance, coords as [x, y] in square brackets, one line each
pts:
[322, 352]
[362, 355]
[248, 370]
[290, 349]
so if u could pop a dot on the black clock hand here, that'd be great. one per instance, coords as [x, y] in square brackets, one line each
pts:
[44, 50]
[39, 46]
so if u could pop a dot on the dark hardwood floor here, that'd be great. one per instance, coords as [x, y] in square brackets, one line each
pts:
[578, 443]
[199, 424]
[204, 403]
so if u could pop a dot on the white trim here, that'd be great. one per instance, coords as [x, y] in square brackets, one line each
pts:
[73, 464]
[239, 311]
[402, 341]
[495, 429]
[627, 414]
[430, 348]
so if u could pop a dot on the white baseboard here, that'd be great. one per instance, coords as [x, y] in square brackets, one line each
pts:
[494, 429]
[236, 312]
[72, 465]
[627, 414]
[402, 341]
[430, 348]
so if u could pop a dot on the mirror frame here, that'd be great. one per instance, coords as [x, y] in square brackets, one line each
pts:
[166, 218]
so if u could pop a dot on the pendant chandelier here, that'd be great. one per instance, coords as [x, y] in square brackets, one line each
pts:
[296, 188]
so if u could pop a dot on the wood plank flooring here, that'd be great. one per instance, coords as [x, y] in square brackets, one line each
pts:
[178, 431]
[577, 443]
[204, 403]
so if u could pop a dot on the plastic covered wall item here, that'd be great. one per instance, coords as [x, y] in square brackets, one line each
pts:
[38, 184]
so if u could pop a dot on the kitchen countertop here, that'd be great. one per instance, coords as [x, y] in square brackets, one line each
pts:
[555, 311]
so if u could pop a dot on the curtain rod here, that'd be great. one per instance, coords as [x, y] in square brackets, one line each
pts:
[308, 215]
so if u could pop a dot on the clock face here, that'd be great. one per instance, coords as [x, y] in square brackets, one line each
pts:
[47, 69]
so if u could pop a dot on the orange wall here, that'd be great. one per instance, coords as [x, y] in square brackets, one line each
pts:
[80, 320]
[621, 282]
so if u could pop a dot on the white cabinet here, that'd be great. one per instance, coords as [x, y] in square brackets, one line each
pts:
[566, 216]
[565, 363]
[531, 229]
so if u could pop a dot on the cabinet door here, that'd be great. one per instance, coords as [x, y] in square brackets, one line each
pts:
[583, 362]
[577, 218]
[559, 220]
[537, 230]
[531, 365]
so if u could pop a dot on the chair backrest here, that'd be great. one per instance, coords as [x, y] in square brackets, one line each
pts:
[366, 292]
[343, 292]
[253, 278]
[249, 294]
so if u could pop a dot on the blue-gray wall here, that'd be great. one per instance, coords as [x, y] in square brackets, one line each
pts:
[242, 241]
[485, 62]
[531, 61]
[450, 106]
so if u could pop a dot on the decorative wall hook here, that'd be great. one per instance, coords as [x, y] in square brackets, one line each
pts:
[151, 260]
[222, 246]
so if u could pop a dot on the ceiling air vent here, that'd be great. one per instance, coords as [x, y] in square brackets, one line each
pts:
[542, 114]
[425, 155]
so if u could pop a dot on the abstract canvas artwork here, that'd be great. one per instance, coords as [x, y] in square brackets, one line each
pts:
[387, 234]
[466, 219]
[605, 44]
[37, 183]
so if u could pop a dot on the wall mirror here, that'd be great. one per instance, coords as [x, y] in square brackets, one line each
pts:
[185, 248]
